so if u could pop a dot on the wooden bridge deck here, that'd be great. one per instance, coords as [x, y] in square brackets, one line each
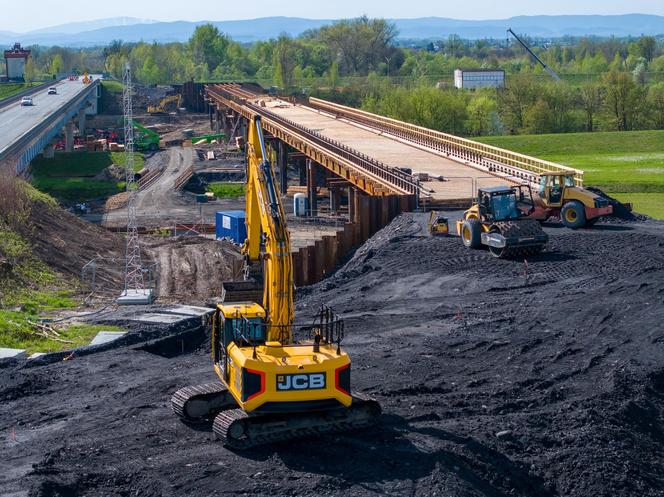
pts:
[460, 180]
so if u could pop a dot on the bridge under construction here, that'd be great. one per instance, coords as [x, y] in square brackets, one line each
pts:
[372, 154]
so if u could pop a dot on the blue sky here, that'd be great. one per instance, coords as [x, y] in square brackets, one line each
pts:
[36, 14]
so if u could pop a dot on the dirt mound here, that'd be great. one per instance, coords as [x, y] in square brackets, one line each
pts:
[192, 268]
[620, 210]
[66, 243]
[117, 201]
[496, 378]
[111, 173]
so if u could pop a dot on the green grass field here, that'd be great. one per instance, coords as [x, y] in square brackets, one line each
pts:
[628, 165]
[226, 190]
[112, 86]
[70, 177]
[9, 89]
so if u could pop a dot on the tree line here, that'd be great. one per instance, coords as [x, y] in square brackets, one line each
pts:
[527, 105]
[607, 83]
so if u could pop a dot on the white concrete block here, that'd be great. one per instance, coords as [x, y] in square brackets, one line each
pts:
[135, 297]
[107, 336]
[12, 353]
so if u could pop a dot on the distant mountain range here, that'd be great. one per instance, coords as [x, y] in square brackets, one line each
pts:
[128, 29]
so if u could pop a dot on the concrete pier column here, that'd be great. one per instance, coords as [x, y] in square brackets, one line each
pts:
[302, 166]
[81, 122]
[211, 112]
[69, 137]
[312, 185]
[49, 151]
[353, 205]
[335, 199]
[224, 124]
[217, 122]
[282, 159]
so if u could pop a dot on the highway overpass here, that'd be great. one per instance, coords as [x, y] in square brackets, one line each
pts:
[28, 131]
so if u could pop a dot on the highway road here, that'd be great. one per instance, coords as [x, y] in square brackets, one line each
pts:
[15, 120]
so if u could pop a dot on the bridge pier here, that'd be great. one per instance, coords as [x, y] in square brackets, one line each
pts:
[217, 124]
[69, 136]
[49, 151]
[81, 122]
[282, 161]
[312, 186]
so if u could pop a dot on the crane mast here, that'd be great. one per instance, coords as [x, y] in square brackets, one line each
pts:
[534, 55]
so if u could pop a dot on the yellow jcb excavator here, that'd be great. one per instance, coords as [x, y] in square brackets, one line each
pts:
[272, 387]
[167, 104]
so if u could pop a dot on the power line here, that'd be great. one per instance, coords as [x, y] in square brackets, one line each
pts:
[135, 291]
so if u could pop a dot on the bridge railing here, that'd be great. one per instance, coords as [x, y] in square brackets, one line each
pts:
[493, 159]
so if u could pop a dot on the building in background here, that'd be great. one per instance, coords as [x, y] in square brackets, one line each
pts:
[469, 79]
[15, 59]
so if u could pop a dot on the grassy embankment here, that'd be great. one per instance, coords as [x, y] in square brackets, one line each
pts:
[10, 89]
[627, 165]
[70, 177]
[226, 190]
[29, 289]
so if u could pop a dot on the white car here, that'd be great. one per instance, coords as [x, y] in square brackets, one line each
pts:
[26, 101]
[52, 90]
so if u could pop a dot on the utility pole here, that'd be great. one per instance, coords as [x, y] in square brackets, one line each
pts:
[134, 291]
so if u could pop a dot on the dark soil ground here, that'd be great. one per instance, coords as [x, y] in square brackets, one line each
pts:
[497, 378]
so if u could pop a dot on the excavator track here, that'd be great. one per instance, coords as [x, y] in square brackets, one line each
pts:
[512, 229]
[240, 430]
[199, 403]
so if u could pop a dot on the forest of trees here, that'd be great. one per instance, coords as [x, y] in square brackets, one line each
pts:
[608, 84]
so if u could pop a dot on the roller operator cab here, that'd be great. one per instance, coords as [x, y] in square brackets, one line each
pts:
[499, 220]
[577, 207]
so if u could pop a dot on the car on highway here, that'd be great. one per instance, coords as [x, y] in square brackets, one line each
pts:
[26, 101]
[52, 90]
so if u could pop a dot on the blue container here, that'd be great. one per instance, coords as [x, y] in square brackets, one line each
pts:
[231, 224]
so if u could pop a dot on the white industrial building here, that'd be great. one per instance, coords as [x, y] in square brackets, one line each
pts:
[479, 78]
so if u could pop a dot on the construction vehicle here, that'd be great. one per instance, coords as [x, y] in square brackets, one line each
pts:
[272, 387]
[499, 220]
[145, 139]
[551, 72]
[167, 104]
[86, 78]
[438, 225]
[576, 207]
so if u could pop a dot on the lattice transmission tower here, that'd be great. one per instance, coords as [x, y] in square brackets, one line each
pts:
[135, 291]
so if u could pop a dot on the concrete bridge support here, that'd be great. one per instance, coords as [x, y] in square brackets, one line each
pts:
[282, 161]
[69, 137]
[312, 186]
[49, 151]
[81, 122]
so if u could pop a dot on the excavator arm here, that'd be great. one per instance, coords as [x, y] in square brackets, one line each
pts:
[266, 227]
